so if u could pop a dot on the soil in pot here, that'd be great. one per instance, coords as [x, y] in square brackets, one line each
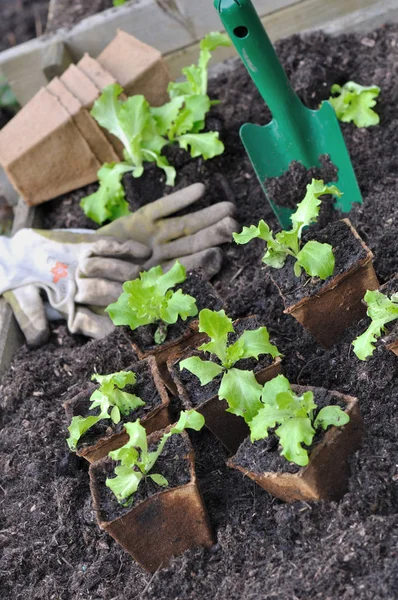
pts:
[105, 435]
[230, 429]
[349, 548]
[326, 475]
[328, 307]
[161, 522]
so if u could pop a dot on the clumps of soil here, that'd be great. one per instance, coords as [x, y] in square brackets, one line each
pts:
[66, 13]
[21, 20]
[290, 188]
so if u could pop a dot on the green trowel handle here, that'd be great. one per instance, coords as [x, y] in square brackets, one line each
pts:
[259, 57]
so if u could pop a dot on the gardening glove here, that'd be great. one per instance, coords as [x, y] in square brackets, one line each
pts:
[192, 238]
[61, 263]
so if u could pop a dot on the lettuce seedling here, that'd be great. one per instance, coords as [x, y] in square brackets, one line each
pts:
[315, 258]
[149, 299]
[238, 387]
[381, 310]
[144, 131]
[354, 102]
[295, 417]
[111, 401]
[136, 462]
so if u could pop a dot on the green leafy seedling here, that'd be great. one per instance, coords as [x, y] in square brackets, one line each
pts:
[111, 401]
[381, 310]
[295, 417]
[315, 258]
[136, 462]
[149, 299]
[144, 131]
[7, 97]
[354, 102]
[238, 387]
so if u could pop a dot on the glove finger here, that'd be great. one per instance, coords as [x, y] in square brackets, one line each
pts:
[99, 292]
[174, 202]
[28, 308]
[121, 249]
[90, 324]
[177, 227]
[209, 261]
[216, 234]
[109, 268]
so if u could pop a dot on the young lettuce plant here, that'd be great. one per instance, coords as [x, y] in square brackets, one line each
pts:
[144, 131]
[381, 310]
[136, 462]
[315, 258]
[149, 299]
[111, 401]
[295, 417]
[354, 102]
[238, 387]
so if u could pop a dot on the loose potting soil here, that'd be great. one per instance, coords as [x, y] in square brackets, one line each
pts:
[52, 547]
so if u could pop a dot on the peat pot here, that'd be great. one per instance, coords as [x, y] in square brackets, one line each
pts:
[327, 308]
[162, 522]
[103, 437]
[230, 429]
[326, 475]
[181, 335]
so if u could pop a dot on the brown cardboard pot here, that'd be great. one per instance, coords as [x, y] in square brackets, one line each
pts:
[164, 525]
[155, 420]
[326, 475]
[230, 429]
[338, 304]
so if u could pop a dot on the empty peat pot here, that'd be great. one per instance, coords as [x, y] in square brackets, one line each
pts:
[105, 436]
[326, 475]
[181, 335]
[327, 308]
[230, 429]
[162, 522]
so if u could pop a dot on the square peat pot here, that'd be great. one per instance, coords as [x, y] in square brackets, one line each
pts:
[326, 475]
[327, 308]
[230, 429]
[391, 337]
[103, 437]
[162, 522]
[181, 335]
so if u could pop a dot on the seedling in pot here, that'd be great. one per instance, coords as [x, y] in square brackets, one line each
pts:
[295, 415]
[144, 131]
[111, 402]
[136, 462]
[354, 102]
[150, 299]
[309, 468]
[238, 387]
[382, 310]
[315, 258]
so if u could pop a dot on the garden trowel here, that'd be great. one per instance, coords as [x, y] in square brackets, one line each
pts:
[296, 133]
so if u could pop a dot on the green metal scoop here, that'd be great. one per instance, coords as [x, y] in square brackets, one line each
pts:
[296, 132]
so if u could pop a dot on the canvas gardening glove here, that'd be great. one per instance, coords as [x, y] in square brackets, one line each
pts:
[82, 272]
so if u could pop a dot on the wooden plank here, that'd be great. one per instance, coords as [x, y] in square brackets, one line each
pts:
[304, 15]
[365, 19]
[155, 22]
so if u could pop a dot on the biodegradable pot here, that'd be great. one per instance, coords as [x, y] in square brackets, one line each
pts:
[326, 475]
[162, 523]
[157, 418]
[230, 429]
[327, 308]
[183, 334]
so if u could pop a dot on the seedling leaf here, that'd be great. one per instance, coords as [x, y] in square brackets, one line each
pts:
[381, 310]
[242, 392]
[354, 102]
[205, 370]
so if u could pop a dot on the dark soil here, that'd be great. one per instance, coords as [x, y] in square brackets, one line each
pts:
[67, 13]
[206, 297]
[290, 188]
[145, 388]
[52, 547]
[172, 464]
[21, 20]
[347, 252]
[264, 455]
